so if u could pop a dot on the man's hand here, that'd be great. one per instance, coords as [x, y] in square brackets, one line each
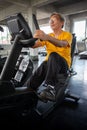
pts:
[40, 35]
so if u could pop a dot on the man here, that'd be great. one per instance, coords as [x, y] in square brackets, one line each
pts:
[58, 59]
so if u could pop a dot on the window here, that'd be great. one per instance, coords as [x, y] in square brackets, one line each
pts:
[5, 36]
[80, 29]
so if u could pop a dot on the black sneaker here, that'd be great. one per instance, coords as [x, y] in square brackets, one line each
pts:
[48, 94]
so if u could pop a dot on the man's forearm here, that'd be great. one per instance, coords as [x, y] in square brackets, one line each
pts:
[56, 42]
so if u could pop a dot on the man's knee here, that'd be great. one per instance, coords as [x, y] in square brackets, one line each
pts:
[54, 55]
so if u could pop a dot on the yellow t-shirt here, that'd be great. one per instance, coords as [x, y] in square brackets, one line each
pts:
[63, 51]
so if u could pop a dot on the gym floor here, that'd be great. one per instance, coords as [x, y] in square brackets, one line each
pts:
[68, 115]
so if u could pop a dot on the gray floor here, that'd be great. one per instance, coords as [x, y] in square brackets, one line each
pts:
[78, 83]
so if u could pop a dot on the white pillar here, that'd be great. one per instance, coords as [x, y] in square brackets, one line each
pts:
[33, 52]
[67, 23]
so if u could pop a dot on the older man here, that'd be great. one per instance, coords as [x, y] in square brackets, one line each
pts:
[58, 59]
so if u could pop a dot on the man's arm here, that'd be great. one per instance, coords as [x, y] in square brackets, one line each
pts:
[37, 44]
[45, 37]
[56, 42]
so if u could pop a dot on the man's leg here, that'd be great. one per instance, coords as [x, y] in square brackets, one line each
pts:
[56, 66]
[37, 77]
[56, 71]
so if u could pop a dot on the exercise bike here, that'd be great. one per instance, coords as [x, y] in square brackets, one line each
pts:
[13, 94]
[17, 68]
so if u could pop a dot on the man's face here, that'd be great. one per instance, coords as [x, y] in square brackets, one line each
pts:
[55, 23]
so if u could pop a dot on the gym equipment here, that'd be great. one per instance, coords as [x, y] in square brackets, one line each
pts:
[73, 47]
[2, 61]
[12, 97]
[19, 98]
[1, 29]
[83, 55]
[23, 69]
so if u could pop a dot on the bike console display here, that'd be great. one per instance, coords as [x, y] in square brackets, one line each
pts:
[18, 25]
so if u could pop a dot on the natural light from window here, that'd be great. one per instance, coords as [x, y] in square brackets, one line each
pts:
[79, 30]
[5, 36]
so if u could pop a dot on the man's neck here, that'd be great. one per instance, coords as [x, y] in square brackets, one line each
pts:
[57, 32]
